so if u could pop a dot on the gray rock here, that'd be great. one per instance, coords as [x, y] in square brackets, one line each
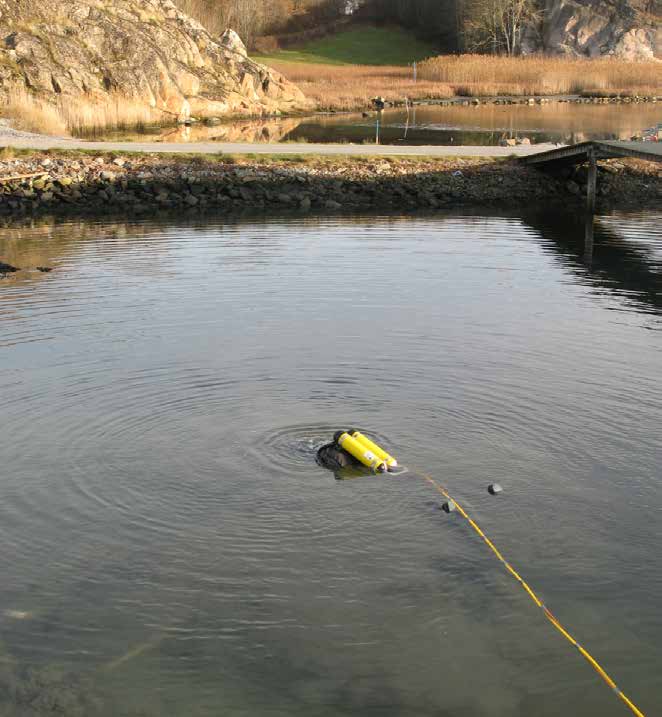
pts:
[332, 204]
[81, 50]
[494, 489]
[231, 41]
[590, 28]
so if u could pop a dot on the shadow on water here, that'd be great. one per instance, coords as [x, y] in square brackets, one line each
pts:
[591, 249]
[613, 263]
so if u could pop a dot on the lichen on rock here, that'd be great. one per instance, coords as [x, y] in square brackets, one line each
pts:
[143, 50]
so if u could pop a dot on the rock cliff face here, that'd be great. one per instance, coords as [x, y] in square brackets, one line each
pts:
[144, 50]
[630, 29]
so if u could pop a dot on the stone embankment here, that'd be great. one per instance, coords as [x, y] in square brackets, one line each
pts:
[143, 184]
[596, 98]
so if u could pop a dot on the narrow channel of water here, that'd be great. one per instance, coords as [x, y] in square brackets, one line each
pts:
[169, 546]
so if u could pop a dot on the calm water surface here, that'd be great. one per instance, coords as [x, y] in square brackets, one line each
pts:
[435, 125]
[169, 546]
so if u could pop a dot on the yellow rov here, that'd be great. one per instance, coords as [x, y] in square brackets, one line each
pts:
[367, 452]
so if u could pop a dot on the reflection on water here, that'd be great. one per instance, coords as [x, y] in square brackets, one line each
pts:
[170, 546]
[621, 258]
[457, 124]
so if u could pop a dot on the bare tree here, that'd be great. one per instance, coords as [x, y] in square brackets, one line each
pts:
[497, 25]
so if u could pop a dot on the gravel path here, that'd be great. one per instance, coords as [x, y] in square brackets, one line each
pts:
[7, 132]
[13, 138]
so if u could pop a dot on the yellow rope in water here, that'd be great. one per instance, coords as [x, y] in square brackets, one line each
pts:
[585, 653]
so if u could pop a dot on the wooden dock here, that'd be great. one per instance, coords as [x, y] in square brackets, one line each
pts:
[591, 152]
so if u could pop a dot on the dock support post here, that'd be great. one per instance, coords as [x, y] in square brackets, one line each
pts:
[592, 181]
[588, 239]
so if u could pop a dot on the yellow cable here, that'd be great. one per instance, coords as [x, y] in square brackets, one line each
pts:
[548, 614]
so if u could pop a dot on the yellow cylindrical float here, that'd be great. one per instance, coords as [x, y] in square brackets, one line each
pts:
[361, 453]
[375, 449]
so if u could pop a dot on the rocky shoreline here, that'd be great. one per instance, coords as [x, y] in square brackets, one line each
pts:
[596, 98]
[134, 185]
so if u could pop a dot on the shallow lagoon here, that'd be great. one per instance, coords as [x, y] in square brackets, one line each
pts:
[457, 124]
[170, 546]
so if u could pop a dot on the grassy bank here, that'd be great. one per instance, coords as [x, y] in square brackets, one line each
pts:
[351, 87]
[347, 87]
[365, 45]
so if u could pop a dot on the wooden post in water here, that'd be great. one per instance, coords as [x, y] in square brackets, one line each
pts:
[588, 239]
[592, 181]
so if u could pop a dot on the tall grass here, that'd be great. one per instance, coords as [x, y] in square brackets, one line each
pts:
[350, 87]
[84, 117]
[474, 75]
[32, 114]
[80, 116]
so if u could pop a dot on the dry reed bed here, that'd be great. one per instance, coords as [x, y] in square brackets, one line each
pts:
[80, 117]
[476, 75]
[348, 87]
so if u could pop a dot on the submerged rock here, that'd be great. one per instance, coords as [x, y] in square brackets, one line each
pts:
[7, 268]
[46, 690]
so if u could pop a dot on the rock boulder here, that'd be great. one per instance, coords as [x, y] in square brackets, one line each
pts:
[139, 50]
[629, 29]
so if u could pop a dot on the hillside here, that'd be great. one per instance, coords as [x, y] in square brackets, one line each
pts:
[142, 51]
[360, 45]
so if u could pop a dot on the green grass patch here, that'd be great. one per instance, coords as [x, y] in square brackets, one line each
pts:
[360, 46]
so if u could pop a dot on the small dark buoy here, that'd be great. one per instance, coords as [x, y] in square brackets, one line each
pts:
[449, 506]
[494, 489]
